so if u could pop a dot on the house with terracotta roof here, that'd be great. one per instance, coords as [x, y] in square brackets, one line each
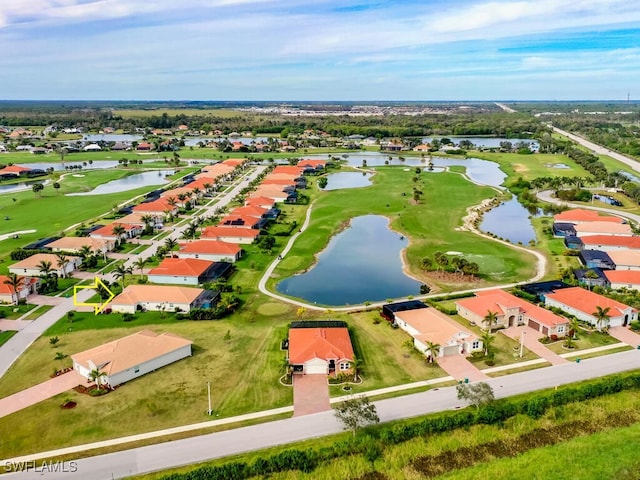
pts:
[132, 219]
[321, 351]
[607, 243]
[14, 170]
[603, 228]
[132, 356]
[30, 266]
[623, 279]
[28, 286]
[249, 211]
[290, 169]
[258, 201]
[183, 271]
[510, 311]
[161, 298]
[234, 162]
[76, 244]
[212, 250]
[317, 165]
[427, 325]
[144, 147]
[583, 304]
[240, 221]
[272, 191]
[156, 208]
[230, 234]
[580, 215]
[131, 230]
[625, 259]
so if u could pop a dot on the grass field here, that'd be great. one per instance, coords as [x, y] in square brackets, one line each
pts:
[5, 336]
[533, 166]
[428, 229]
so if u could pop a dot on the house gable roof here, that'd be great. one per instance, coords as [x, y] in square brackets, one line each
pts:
[134, 294]
[324, 343]
[625, 257]
[182, 267]
[434, 326]
[583, 215]
[228, 232]
[611, 240]
[586, 301]
[122, 354]
[34, 261]
[212, 247]
[73, 243]
[604, 227]
[631, 277]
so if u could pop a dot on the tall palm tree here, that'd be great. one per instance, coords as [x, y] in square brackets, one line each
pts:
[207, 186]
[15, 284]
[45, 267]
[96, 376]
[85, 251]
[434, 350]
[63, 261]
[602, 316]
[172, 202]
[120, 272]
[490, 319]
[118, 230]
[140, 263]
[487, 340]
[573, 327]
[170, 243]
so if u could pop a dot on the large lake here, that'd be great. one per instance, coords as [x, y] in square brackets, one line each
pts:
[156, 177]
[337, 181]
[360, 264]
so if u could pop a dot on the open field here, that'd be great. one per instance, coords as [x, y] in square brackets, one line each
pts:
[532, 166]
[424, 223]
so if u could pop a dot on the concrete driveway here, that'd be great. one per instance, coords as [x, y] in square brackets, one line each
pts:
[310, 394]
[531, 337]
[460, 368]
[40, 392]
[45, 300]
[625, 335]
[13, 324]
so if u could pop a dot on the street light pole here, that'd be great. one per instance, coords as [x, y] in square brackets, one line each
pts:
[522, 343]
[209, 396]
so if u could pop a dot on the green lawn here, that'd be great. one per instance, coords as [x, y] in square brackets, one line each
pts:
[425, 224]
[585, 341]
[6, 335]
[533, 166]
[15, 311]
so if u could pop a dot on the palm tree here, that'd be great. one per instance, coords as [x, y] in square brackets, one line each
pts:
[573, 327]
[15, 284]
[490, 319]
[85, 251]
[172, 202]
[487, 340]
[602, 316]
[207, 186]
[182, 197]
[356, 364]
[118, 230]
[148, 222]
[45, 267]
[441, 259]
[434, 350]
[120, 272]
[140, 263]
[63, 261]
[170, 243]
[96, 376]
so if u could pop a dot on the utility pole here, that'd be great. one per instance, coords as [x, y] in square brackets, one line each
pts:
[209, 397]
[522, 343]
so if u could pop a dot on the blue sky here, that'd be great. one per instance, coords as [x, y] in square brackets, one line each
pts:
[319, 50]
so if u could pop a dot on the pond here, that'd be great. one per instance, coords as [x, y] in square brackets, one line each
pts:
[336, 181]
[156, 177]
[362, 263]
[510, 221]
[17, 187]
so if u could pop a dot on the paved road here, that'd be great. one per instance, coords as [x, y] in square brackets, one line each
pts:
[600, 150]
[230, 442]
[546, 196]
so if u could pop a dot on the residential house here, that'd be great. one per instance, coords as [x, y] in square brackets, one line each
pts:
[156, 208]
[14, 170]
[131, 357]
[212, 250]
[161, 298]
[607, 243]
[272, 191]
[92, 147]
[591, 277]
[583, 305]
[30, 266]
[428, 326]
[625, 259]
[131, 230]
[510, 311]
[77, 244]
[250, 211]
[241, 221]
[322, 351]
[389, 309]
[579, 216]
[28, 286]
[596, 259]
[132, 219]
[623, 279]
[603, 228]
[262, 202]
[183, 271]
[144, 147]
[230, 234]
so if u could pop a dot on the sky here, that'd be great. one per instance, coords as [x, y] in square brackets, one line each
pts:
[319, 50]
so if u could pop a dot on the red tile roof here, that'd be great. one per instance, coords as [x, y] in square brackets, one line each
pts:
[234, 162]
[325, 343]
[288, 169]
[240, 221]
[107, 230]
[586, 301]
[160, 205]
[610, 240]
[631, 277]
[6, 289]
[582, 215]
[14, 169]
[278, 181]
[212, 247]
[183, 267]
[499, 301]
[251, 211]
[217, 232]
[311, 163]
[260, 201]
[603, 228]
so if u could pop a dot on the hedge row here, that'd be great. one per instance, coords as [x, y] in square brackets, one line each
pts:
[380, 437]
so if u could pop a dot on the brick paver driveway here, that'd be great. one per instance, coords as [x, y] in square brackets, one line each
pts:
[45, 300]
[13, 324]
[40, 392]
[531, 337]
[625, 335]
[310, 394]
[460, 368]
